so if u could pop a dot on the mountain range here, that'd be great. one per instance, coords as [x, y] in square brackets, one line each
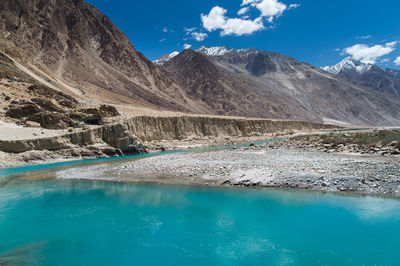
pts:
[249, 81]
[77, 49]
[384, 80]
[71, 47]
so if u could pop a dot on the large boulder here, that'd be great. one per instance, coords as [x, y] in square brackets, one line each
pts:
[50, 120]
[120, 137]
[26, 109]
[47, 105]
[108, 111]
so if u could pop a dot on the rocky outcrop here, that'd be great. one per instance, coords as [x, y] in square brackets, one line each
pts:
[126, 136]
[115, 139]
[56, 110]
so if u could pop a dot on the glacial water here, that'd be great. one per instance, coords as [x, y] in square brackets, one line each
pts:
[58, 222]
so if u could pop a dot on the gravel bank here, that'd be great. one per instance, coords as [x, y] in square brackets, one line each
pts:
[277, 165]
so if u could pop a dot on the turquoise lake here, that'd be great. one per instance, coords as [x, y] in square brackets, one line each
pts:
[97, 223]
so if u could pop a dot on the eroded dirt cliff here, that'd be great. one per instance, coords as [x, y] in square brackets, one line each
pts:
[131, 136]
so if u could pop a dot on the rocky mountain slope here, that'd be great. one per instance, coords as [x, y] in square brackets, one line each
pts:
[165, 58]
[68, 77]
[229, 93]
[384, 80]
[30, 102]
[71, 46]
[256, 83]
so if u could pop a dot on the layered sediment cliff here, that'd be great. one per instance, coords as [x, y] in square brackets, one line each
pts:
[153, 128]
[114, 139]
[126, 137]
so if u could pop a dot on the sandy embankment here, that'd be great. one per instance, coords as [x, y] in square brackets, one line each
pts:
[12, 131]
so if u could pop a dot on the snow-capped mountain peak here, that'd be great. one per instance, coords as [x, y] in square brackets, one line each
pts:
[348, 64]
[209, 51]
[165, 58]
[213, 51]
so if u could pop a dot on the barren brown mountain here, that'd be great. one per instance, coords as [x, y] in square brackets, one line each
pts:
[72, 46]
[229, 93]
[69, 47]
[252, 82]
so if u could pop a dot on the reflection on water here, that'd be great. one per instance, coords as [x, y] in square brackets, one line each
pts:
[26, 255]
[5, 180]
[373, 209]
[104, 223]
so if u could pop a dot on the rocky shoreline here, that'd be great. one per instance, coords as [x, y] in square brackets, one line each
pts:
[380, 142]
[281, 164]
[127, 136]
[363, 162]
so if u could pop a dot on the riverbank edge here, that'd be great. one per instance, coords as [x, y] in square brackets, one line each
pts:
[182, 177]
[179, 180]
[143, 134]
[175, 181]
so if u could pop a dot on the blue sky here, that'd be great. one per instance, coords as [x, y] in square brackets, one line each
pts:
[320, 32]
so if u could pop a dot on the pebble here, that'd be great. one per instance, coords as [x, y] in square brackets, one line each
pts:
[285, 166]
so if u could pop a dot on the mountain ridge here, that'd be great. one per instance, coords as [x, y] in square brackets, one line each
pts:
[71, 46]
[289, 86]
[74, 44]
[384, 80]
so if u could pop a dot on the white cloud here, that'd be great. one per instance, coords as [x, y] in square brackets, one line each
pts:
[293, 6]
[385, 60]
[397, 61]
[189, 30]
[165, 29]
[187, 46]
[239, 27]
[199, 36]
[216, 20]
[369, 54]
[268, 8]
[163, 40]
[243, 11]
[247, 2]
[364, 37]
[271, 8]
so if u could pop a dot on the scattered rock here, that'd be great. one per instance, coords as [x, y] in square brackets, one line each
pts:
[32, 124]
[108, 111]
[47, 105]
[226, 183]
[52, 120]
[22, 111]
